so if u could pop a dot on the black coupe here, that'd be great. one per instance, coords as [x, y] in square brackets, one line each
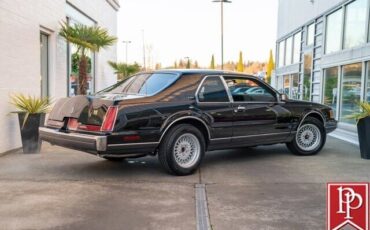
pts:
[180, 114]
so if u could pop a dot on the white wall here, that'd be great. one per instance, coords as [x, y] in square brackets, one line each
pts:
[20, 24]
[295, 13]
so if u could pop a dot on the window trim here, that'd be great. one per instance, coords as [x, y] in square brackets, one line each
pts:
[213, 102]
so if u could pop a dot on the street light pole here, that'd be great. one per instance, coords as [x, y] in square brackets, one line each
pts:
[126, 42]
[222, 29]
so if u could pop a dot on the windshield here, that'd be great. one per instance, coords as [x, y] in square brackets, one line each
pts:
[142, 84]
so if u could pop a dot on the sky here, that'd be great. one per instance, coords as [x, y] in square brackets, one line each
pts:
[175, 29]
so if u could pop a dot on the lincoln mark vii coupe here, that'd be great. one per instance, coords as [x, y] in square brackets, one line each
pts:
[180, 114]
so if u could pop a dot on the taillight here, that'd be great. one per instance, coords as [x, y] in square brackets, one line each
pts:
[109, 119]
[72, 124]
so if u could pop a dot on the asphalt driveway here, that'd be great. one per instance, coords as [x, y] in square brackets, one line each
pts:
[252, 188]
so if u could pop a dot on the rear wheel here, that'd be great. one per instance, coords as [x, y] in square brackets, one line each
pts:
[182, 149]
[310, 138]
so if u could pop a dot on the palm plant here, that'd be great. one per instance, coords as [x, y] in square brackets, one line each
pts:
[124, 70]
[30, 105]
[86, 38]
[365, 111]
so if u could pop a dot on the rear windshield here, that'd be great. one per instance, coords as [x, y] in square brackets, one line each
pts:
[142, 84]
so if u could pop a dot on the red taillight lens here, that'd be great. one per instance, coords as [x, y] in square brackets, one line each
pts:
[109, 119]
[72, 124]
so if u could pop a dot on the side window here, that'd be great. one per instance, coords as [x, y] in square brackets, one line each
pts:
[212, 90]
[248, 90]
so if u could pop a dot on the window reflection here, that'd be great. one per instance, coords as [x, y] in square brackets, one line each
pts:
[333, 31]
[310, 34]
[297, 47]
[307, 76]
[351, 91]
[281, 53]
[355, 23]
[288, 51]
[331, 88]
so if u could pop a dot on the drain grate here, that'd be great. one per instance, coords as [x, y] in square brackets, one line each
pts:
[201, 206]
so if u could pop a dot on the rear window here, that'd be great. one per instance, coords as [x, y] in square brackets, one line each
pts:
[143, 84]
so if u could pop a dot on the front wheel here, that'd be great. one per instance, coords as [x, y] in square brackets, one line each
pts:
[182, 149]
[309, 139]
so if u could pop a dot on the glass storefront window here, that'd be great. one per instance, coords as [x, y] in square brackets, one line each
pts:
[331, 88]
[355, 21]
[310, 34]
[281, 53]
[351, 91]
[286, 84]
[279, 84]
[294, 91]
[297, 47]
[334, 31]
[307, 76]
[288, 51]
[44, 64]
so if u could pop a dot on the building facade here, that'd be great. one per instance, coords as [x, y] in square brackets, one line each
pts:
[323, 55]
[35, 60]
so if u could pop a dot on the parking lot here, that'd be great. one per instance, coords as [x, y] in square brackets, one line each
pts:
[251, 188]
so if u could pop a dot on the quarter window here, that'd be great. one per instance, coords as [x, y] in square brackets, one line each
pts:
[212, 90]
[249, 90]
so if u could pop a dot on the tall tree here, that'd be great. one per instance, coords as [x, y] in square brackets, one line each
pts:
[240, 66]
[86, 38]
[270, 68]
[175, 65]
[196, 65]
[188, 64]
[212, 62]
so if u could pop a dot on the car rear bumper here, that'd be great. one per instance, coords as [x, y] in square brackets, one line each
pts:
[75, 141]
[98, 145]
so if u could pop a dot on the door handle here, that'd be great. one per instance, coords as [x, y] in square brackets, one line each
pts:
[240, 109]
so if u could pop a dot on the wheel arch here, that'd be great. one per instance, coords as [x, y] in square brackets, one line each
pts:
[315, 114]
[195, 121]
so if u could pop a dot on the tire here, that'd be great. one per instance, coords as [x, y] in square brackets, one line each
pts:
[182, 149]
[309, 139]
[114, 159]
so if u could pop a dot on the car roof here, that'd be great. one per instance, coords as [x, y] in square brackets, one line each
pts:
[202, 72]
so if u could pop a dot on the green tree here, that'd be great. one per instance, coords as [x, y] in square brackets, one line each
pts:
[240, 66]
[212, 62]
[270, 68]
[123, 70]
[86, 38]
[188, 64]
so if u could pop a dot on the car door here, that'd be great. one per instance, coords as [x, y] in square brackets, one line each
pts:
[258, 116]
[214, 104]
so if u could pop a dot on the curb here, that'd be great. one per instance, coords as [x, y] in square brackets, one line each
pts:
[10, 151]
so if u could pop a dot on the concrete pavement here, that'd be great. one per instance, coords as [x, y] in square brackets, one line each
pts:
[252, 188]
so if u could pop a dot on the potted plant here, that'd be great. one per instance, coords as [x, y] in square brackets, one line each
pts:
[363, 128]
[31, 115]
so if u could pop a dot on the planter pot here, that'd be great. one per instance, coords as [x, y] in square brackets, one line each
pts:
[31, 142]
[363, 128]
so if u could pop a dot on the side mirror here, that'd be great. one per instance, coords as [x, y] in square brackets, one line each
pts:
[284, 97]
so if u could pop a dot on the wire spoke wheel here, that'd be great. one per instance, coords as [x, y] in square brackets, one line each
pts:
[308, 137]
[186, 150]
